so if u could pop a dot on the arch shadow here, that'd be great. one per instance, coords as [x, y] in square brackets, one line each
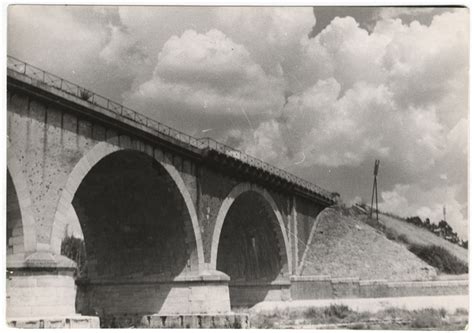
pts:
[80, 171]
[224, 209]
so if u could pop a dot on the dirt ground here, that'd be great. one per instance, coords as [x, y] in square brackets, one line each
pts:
[404, 313]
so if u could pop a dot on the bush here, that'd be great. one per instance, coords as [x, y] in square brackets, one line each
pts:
[263, 321]
[339, 311]
[428, 318]
[402, 238]
[85, 94]
[461, 312]
[75, 249]
[391, 234]
[439, 258]
[312, 312]
[394, 236]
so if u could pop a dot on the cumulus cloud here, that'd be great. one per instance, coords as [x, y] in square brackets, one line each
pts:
[272, 35]
[54, 36]
[277, 26]
[208, 76]
[346, 52]
[378, 94]
[67, 41]
[122, 49]
[411, 200]
[336, 130]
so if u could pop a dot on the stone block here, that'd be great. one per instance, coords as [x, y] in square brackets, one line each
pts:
[317, 289]
[75, 321]
[98, 132]
[228, 320]
[55, 323]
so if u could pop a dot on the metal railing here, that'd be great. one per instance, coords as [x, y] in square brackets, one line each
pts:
[97, 100]
[253, 161]
[117, 108]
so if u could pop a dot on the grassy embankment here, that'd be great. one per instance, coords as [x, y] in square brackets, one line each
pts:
[446, 257]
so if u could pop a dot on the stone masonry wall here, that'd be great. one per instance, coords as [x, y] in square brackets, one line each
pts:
[49, 142]
[321, 287]
[306, 212]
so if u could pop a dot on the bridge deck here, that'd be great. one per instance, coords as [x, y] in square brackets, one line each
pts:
[28, 75]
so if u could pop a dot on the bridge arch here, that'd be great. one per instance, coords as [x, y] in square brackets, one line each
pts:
[226, 205]
[16, 182]
[99, 152]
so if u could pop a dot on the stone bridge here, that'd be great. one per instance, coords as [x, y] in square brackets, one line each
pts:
[171, 224]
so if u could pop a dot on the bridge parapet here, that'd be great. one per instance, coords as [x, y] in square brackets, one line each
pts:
[204, 145]
[232, 153]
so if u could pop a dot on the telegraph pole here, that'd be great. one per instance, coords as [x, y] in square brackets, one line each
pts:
[374, 191]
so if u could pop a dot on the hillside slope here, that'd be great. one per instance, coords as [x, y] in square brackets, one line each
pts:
[420, 236]
[343, 246]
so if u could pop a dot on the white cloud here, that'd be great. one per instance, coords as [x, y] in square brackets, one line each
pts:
[53, 35]
[347, 52]
[272, 35]
[265, 142]
[122, 49]
[397, 94]
[364, 122]
[411, 200]
[277, 26]
[423, 61]
[210, 76]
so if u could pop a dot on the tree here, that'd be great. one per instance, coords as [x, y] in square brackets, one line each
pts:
[75, 249]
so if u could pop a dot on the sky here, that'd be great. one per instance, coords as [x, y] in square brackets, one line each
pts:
[321, 92]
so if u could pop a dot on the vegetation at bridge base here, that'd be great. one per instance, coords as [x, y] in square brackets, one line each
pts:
[341, 316]
[439, 258]
[75, 249]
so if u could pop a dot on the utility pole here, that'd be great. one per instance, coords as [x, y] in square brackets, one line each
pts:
[374, 191]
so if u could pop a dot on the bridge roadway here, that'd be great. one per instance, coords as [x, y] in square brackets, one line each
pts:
[172, 224]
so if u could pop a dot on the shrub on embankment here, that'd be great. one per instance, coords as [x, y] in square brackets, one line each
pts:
[408, 234]
[439, 258]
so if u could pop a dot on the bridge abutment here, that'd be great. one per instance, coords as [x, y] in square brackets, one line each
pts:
[139, 303]
[41, 293]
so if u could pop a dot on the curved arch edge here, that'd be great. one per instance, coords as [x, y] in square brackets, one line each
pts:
[24, 200]
[223, 210]
[82, 168]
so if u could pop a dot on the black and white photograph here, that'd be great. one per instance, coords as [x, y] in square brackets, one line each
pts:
[240, 167]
